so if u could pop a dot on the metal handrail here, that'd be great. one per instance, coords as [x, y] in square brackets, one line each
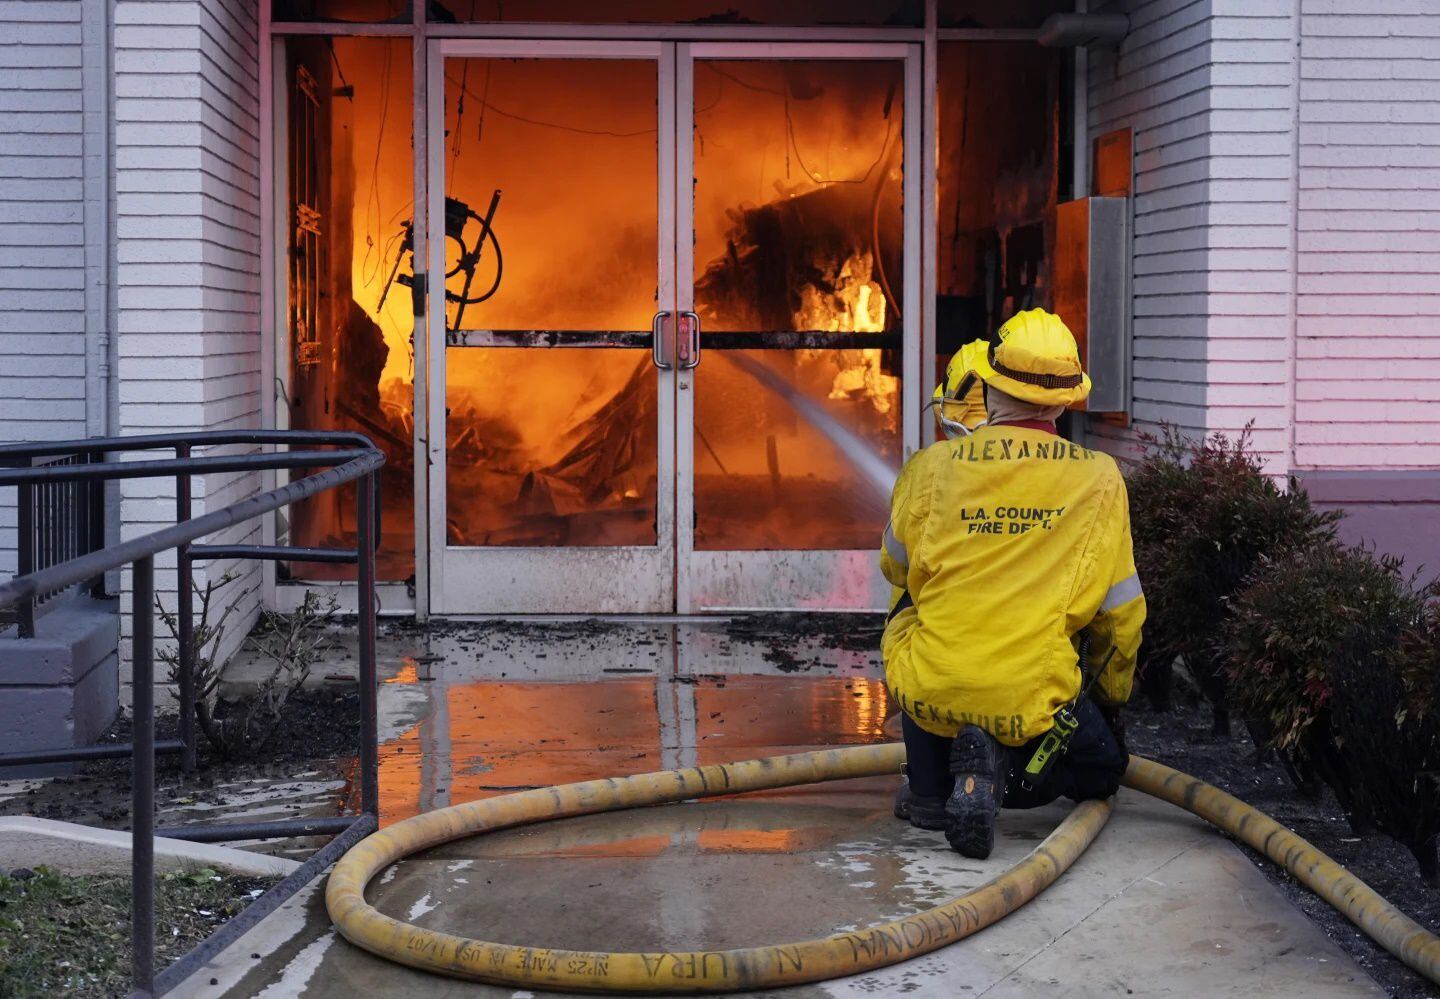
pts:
[200, 438]
[94, 449]
[355, 459]
[356, 464]
[164, 467]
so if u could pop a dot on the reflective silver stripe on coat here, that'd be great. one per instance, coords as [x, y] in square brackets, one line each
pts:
[894, 548]
[1122, 593]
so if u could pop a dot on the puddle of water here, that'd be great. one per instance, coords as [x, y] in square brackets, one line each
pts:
[300, 971]
[472, 710]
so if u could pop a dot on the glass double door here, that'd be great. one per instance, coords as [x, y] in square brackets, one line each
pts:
[680, 319]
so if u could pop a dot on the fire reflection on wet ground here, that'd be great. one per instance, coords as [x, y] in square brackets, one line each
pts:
[502, 736]
[473, 709]
[551, 704]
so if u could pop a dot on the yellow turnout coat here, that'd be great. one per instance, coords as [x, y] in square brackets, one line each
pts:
[1009, 542]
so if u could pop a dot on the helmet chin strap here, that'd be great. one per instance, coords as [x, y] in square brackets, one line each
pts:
[955, 430]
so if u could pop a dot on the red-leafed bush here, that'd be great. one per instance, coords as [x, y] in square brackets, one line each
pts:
[1287, 629]
[1391, 748]
[1203, 516]
[1290, 625]
[1418, 661]
[1332, 654]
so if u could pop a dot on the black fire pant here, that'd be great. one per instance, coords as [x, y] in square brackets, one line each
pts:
[1090, 768]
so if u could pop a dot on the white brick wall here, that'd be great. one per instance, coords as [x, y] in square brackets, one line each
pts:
[187, 230]
[1368, 324]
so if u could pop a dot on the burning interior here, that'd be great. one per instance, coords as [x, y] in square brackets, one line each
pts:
[1000, 135]
[553, 445]
[798, 252]
[797, 222]
[348, 170]
[555, 250]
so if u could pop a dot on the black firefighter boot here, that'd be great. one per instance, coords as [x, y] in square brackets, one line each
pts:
[977, 763]
[918, 810]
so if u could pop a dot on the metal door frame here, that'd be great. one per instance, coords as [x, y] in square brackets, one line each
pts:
[505, 580]
[423, 37]
[717, 581]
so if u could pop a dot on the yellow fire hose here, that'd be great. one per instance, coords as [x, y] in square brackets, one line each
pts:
[835, 956]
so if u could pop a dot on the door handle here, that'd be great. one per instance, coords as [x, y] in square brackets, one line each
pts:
[660, 350]
[687, 343]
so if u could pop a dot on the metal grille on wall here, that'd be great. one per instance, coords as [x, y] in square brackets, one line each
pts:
[306, 248]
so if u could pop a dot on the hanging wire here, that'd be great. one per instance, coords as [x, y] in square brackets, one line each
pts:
[863, 178]
[495, 109]
[789, 135]
[712, 67]
[792, 142]
[484, 102]
[395, 237]
[330, 44]
[459, 114]
[373, 262]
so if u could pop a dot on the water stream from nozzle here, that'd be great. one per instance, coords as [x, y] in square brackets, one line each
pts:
[873, 468]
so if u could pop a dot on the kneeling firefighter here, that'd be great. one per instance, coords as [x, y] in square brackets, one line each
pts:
[1012, 642]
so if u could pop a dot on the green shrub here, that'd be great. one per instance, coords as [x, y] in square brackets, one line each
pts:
[1417, 660]
[1332, 654]
[1203, 515]
[1392, 747]
[1294, 620]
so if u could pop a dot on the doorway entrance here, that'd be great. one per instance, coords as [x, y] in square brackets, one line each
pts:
[662, 260]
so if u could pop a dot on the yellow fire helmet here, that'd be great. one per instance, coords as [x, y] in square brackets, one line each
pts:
[1036, 359]
[958, 400]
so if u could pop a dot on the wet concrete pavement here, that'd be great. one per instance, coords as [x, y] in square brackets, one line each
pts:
[1160, 905]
